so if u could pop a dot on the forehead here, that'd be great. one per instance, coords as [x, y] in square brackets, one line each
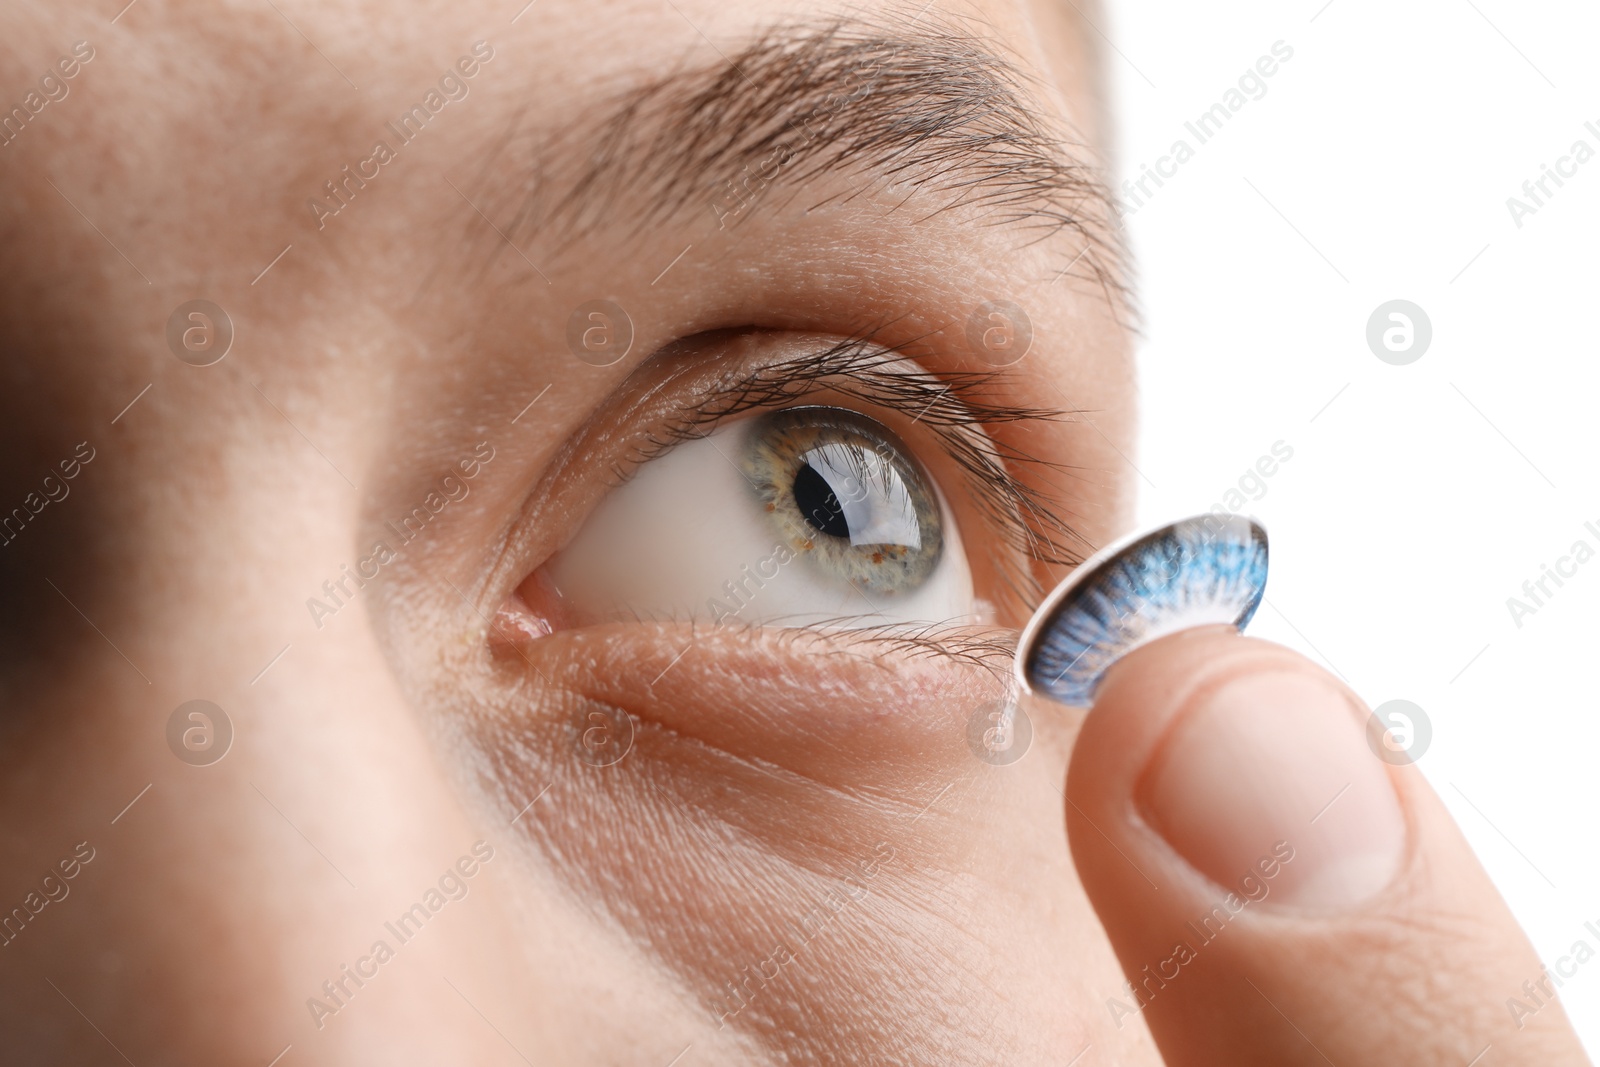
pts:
[367, 187]
[225, 104]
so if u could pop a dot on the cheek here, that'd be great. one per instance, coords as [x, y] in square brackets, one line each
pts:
[801, 818]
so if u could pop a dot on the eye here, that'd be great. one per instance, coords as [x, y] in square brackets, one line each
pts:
[802, 516]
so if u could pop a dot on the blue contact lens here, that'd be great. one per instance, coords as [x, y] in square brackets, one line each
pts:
[1195, 572]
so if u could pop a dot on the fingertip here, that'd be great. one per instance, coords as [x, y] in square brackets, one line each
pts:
[1143, 693]
[1230, 749]
[1254, 859]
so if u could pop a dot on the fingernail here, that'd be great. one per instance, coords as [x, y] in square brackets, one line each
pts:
[1276, 764]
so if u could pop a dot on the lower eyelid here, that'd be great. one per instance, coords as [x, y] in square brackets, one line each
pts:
[679, 677]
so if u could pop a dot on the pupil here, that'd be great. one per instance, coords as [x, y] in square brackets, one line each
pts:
[816, 500]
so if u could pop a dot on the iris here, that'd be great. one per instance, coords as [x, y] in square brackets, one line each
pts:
[846, 494]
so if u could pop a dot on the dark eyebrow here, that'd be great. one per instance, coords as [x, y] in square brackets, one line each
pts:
[926, 106]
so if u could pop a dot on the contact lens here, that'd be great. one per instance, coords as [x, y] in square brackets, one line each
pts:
[1195, 572]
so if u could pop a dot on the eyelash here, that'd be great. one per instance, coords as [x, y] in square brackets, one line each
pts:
[955, 409]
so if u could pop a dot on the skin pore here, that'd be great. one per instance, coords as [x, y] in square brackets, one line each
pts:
[799, 859]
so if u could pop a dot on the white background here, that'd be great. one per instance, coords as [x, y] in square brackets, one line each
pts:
[1419, 497]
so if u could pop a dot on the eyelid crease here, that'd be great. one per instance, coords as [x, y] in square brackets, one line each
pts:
[955, 409]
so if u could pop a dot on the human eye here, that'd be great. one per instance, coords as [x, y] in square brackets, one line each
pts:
[796, 482]
[808, 515]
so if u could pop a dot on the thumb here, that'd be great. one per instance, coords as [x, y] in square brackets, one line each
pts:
[1275, 892]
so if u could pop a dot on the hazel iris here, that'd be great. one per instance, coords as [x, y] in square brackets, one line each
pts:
[843, 491]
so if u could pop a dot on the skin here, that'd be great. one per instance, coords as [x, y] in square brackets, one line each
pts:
[769, 773]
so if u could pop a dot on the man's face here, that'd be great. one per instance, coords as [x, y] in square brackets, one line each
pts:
[498, 780]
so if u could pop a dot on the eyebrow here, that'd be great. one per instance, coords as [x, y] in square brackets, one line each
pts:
[925, 107]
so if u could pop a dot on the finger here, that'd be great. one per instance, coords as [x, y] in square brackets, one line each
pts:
[1275, 892]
